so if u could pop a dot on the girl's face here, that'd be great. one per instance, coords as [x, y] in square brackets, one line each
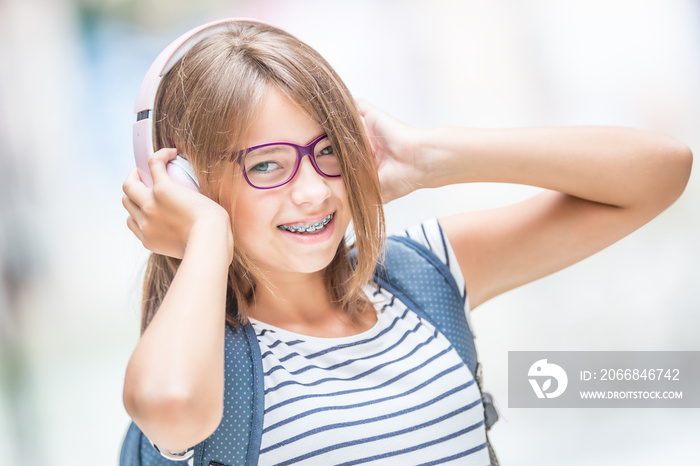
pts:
[262, 218]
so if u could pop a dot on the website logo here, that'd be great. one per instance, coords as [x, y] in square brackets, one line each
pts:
[544, 371]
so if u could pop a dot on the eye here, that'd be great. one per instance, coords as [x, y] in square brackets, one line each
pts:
[327, 150]
[264, 167]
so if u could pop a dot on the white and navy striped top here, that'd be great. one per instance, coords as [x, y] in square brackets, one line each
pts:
[396, 393]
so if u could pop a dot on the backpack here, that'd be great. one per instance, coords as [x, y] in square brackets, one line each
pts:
[410, 271]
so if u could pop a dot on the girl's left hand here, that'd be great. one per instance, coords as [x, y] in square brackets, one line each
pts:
[396, 152]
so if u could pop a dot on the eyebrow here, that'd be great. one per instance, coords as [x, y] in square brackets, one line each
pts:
[263, 151]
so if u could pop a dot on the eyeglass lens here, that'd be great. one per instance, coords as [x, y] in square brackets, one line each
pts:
[275, 164]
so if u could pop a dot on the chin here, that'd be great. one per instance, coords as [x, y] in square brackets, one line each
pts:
[307, 264]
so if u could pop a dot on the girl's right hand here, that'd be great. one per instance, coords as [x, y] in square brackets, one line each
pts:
[164, 217]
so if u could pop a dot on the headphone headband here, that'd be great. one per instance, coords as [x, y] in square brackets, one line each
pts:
[145, 99]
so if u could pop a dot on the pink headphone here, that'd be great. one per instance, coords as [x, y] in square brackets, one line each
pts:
[179, 168]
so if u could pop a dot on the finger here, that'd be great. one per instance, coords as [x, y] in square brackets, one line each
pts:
[134, 188]
[363, 106]
[377, 113]
[131, 223]
[158, 161]
[383, 185]
[370, 139]
[133, 209]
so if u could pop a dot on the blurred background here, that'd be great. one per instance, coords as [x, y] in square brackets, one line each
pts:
[71, 270]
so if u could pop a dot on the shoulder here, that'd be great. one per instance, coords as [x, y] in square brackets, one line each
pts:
[430, 235]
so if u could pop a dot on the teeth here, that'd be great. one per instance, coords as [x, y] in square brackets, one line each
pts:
[308, 227]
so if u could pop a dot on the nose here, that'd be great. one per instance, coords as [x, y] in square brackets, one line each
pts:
[309, 186]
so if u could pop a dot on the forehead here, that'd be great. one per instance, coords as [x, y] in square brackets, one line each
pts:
[281, 119]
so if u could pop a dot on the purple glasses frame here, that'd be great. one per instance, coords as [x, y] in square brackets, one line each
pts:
[302, 151]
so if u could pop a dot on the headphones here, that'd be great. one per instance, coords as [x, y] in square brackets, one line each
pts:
[179, 169]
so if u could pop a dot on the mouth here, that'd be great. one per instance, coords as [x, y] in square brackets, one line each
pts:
[308, 228]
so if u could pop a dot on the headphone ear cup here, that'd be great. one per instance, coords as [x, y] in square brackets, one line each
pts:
[143, 148]
[182, 172]
[180, 169]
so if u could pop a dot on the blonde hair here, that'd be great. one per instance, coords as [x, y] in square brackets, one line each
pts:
[204, 108]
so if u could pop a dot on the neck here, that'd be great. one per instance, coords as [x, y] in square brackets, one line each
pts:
[300, 303]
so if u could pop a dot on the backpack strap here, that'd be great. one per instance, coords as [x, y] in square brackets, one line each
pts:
[130, 455]
[137, 450]
[237, 439]
[416, 276]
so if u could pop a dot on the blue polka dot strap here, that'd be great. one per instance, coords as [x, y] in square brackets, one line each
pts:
[417, 277]
[237, 439]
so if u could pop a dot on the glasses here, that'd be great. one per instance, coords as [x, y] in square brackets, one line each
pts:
[274, 164]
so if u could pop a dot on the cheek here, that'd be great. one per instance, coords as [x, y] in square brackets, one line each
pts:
[253, 223]
[246, 221]
[341, 193]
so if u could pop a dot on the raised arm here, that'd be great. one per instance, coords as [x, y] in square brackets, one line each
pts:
[173, 389]
[601, 184]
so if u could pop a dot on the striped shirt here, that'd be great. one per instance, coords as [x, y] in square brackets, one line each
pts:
[397, 392]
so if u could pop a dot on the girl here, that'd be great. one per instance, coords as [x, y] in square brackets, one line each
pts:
[286, 161]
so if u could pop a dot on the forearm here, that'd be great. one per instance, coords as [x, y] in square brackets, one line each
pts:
[175, 379]
[616, 166]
